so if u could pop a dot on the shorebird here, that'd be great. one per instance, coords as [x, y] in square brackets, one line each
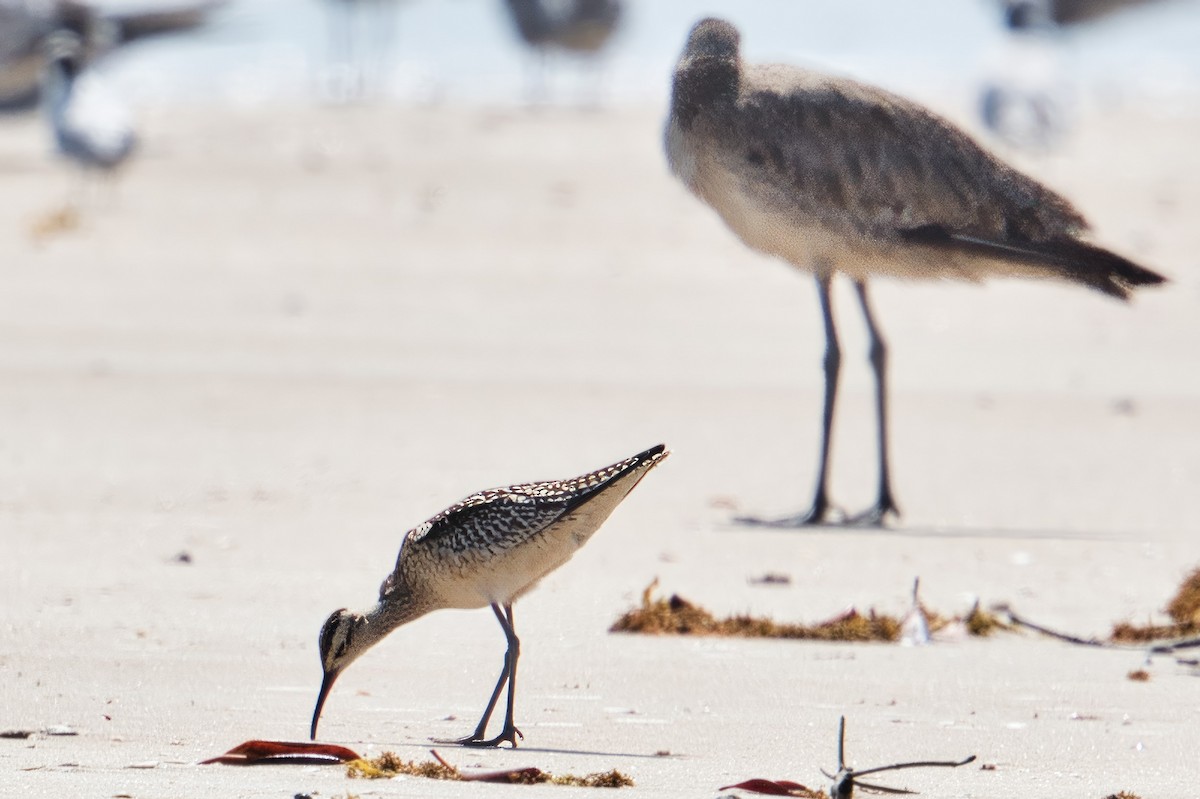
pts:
[834, 176]
[573, 26]
[491, 548]
[362, 35]
[26, 24]
[91, 127]
[1025, 97]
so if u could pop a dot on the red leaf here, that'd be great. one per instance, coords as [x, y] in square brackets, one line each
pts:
[280, 752]
[780, 788]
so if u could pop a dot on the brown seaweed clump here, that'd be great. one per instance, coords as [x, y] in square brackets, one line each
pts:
[1184, 610]
[678, 616]
[389, 765]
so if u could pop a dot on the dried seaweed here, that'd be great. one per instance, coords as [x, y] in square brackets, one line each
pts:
[1184, 610]
[679, 616]
[389, 765]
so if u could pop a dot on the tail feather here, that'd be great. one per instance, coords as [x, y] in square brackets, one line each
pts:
[1069, 258]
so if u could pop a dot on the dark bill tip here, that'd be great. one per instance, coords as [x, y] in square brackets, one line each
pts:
[326, 684]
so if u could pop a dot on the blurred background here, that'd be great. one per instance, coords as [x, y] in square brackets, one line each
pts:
[250, 52]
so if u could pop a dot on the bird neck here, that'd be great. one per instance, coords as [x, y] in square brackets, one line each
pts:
[57, 88]
[388, 614]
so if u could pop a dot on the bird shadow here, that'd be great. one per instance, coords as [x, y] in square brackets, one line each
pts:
[934, 531]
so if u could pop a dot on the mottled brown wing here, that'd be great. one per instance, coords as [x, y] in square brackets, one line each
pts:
[854, 155]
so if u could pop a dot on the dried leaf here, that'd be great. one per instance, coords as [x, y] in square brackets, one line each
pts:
[775, 788]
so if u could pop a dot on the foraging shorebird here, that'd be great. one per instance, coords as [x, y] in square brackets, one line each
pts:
[91, 127]
[834, 176]
[489, 549]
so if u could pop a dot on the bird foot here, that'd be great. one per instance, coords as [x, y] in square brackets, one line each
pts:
[874, 516]
[476, 740]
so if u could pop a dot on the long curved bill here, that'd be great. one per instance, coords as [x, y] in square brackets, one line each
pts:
[326, 684]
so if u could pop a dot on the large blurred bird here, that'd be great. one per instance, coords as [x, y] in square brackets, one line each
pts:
[26, 24]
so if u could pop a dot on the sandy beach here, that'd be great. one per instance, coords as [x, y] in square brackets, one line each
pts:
[287, 335]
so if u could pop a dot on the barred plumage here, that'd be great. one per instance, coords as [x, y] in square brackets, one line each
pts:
[487, 549]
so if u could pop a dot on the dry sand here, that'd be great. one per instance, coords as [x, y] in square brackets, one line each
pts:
[289, 335]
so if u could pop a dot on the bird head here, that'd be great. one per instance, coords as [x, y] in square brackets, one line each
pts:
[339, 644]
[64, 47]
[713, 38]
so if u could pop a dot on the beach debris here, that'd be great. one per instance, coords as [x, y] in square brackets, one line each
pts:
[389, 765]
[1182, 633]
[254, 753]
[914, 627]
[679, 616]
[61, 729]
[1122, 795]
[19, 735]
[845, 780]
[771, 578]
[1139, 675]
[183, 556]
[54, 223]
[776, 788]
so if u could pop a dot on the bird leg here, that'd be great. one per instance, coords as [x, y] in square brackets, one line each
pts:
[875, 515]
[508, 675]
[820, 508]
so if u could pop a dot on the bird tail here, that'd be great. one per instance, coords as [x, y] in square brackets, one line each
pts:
[1068, 258]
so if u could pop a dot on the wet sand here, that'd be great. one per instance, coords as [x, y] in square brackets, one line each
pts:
[288, 335]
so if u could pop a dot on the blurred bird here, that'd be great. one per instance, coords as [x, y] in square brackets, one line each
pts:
[572, 26]
[1024, 99]
[837, 177]
[25, 25]
[362, 34]
[91, 127]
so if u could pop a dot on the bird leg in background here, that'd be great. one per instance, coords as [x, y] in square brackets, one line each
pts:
[885, 503]
[832, 363]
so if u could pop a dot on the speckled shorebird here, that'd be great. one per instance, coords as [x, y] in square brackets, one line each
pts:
[489, 549]
[834, 176]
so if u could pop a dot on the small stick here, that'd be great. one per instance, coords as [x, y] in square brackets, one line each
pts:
[846, 779]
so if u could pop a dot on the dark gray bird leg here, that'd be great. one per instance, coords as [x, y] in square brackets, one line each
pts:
[833, 361]
[875, 515]
[508, 675]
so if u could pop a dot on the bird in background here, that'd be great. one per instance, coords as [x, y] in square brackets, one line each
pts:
[26, 24]
[362, 35]
[1025, 99]
[489, 549]
[837, 177]
[91, 127]
[579, 27]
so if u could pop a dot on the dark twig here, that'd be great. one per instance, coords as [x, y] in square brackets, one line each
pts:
[846, 779]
